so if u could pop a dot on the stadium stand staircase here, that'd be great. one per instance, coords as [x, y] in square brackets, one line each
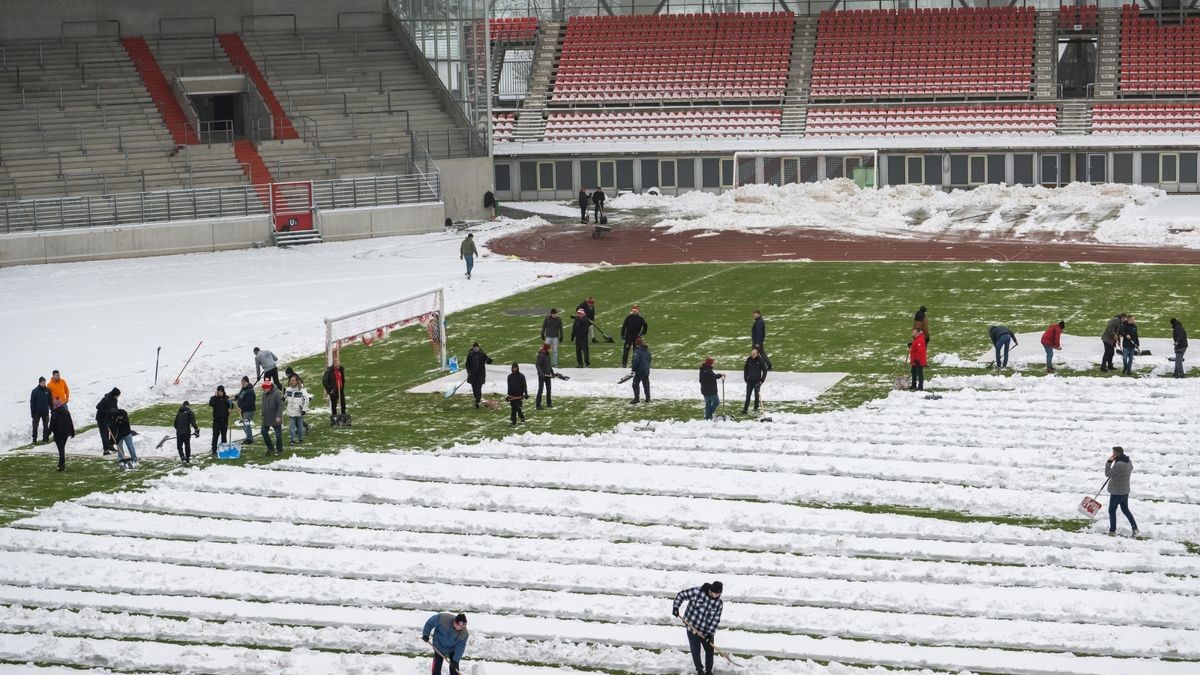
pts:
[1108, 54]
[1074, 117]
[160, 90]
[190, 55]
[795, 105]
[240, 58]
[78, 120]
[1045, 56]
[530, 125]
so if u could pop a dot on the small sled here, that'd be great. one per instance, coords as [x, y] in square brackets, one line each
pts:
[901, 384]
[450, 391]
[625, 378]
[490, 404]
[339, 420]
[232, 450]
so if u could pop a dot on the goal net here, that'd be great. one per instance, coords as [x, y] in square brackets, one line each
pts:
[810, 166]
[371, 325]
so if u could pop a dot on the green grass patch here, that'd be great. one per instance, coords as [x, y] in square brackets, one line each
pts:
[822, 316]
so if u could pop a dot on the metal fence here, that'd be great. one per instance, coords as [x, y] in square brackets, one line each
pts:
[233, 201]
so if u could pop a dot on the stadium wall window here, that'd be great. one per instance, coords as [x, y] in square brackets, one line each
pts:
[564, 176]
[1123, 168]
[933, 169]
[686, 173]
[649, 173]
[666, 173]
[1023, 169]
[545, 176]
[1168, 168]
[995, 169]
[608, 174]
[958, 170]
[502, 179]
[978, 165]
[1187, 167]
[914, 167]
[1081, 167]
[625, 174]
[727, 173]
[1097, 168]
[710, 172]
[528, 176]
[1049, 170]
[587, 174]
[1149, 168]
[895, 170]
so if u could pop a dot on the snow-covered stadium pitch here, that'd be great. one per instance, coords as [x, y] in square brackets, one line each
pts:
[566, 550]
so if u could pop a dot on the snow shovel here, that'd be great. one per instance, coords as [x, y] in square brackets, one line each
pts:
[449, 663]
[722, 417]
[625, 379]
[450, 391]
[163, 442]
[762, 403]
[1089, 506]
[560, 376]
[606, 336]
[716, 649]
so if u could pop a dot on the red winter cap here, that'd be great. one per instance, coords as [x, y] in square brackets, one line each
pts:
[635, 308]
[545, 346]
[708, 361]
[266, 384]
[591, 301]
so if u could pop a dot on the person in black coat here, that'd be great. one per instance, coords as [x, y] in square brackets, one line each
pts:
[62, 427]
[755, 373]
[185, 424]
[1129, 344]
[598, 202]
[708, 387]
[633, 328]
[589, 308]
[584, 199]
[39, 409]
[758, 330]
[334, 382]
[641, 369]
[245, 403]
[477, 361]
[1179, 337]
[518, 392]
[545, 375]
[579, 335]
[220, 404]
[104, 416]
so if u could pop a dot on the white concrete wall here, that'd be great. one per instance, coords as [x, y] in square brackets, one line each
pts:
[383, 221]
[463, 183]
[42, 19]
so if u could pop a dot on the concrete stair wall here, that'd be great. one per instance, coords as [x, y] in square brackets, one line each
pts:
[795, 102]
[531, 119]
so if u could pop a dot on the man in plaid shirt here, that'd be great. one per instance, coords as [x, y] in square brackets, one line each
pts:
[702, 617]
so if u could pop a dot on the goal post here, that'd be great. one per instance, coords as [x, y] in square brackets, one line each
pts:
[375, 323]
[805, 166]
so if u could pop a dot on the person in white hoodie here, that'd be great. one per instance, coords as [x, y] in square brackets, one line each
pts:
[296, 399]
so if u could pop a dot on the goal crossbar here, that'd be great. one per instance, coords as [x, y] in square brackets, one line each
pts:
[427, 308]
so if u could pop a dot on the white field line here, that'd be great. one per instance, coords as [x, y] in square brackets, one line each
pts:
[369, 525]
[367, 569]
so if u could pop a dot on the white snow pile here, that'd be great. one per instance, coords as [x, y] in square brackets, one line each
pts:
[101, 322]
[1111, 213]
[566, 550]
[1079, 353]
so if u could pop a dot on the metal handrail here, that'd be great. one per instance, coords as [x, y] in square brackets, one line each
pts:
[308, 161]
[212, 27]
[242, 23]
[62, 27]
[377, 13]
[222, 129]
[232, 201]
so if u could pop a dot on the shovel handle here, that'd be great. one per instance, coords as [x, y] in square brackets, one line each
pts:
[1101, 488]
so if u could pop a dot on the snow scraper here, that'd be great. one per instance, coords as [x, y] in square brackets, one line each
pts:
[450, 391]
[1089, 506]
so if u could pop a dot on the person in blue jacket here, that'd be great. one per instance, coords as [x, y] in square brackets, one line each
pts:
[447, 633]
[641, 369]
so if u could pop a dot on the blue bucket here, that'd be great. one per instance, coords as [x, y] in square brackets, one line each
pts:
[229, 451]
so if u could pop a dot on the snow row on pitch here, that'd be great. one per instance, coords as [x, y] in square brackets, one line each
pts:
[1177, 489]
[1173, 519]
[630, 634]
[330, 524]
[695, 513]
[829, 562]
[360, 569]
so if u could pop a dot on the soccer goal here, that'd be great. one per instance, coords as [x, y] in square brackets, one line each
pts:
[368, 326]
[782, 167]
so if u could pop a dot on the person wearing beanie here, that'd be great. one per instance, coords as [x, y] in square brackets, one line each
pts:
[921, 322]
[477, 361]
[245, 403]
[1130, 344]
[467, 252]
[1051, 341]
[545, 373]
[1117, 470]
[447, 634]
[62, 427]
[633, 327]
[40, 400]
[266, 366]
[296, 399]
[518, 393]
[580, 330]
[708, 387]
[104, 417]
[272, 417]
[220, 404]
[552, 333]
[185, 425]
[1179, 337]
[589, 308]
[754, 372]
[641, 369]
[701, 620]
[918, 358]
[123, 437]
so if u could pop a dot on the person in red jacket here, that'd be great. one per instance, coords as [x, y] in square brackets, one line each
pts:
[917, 359]
[1052, 340]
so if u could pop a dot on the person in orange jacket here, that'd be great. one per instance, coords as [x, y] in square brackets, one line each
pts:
[1052, 340]
[58, 388]
[917, 358]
